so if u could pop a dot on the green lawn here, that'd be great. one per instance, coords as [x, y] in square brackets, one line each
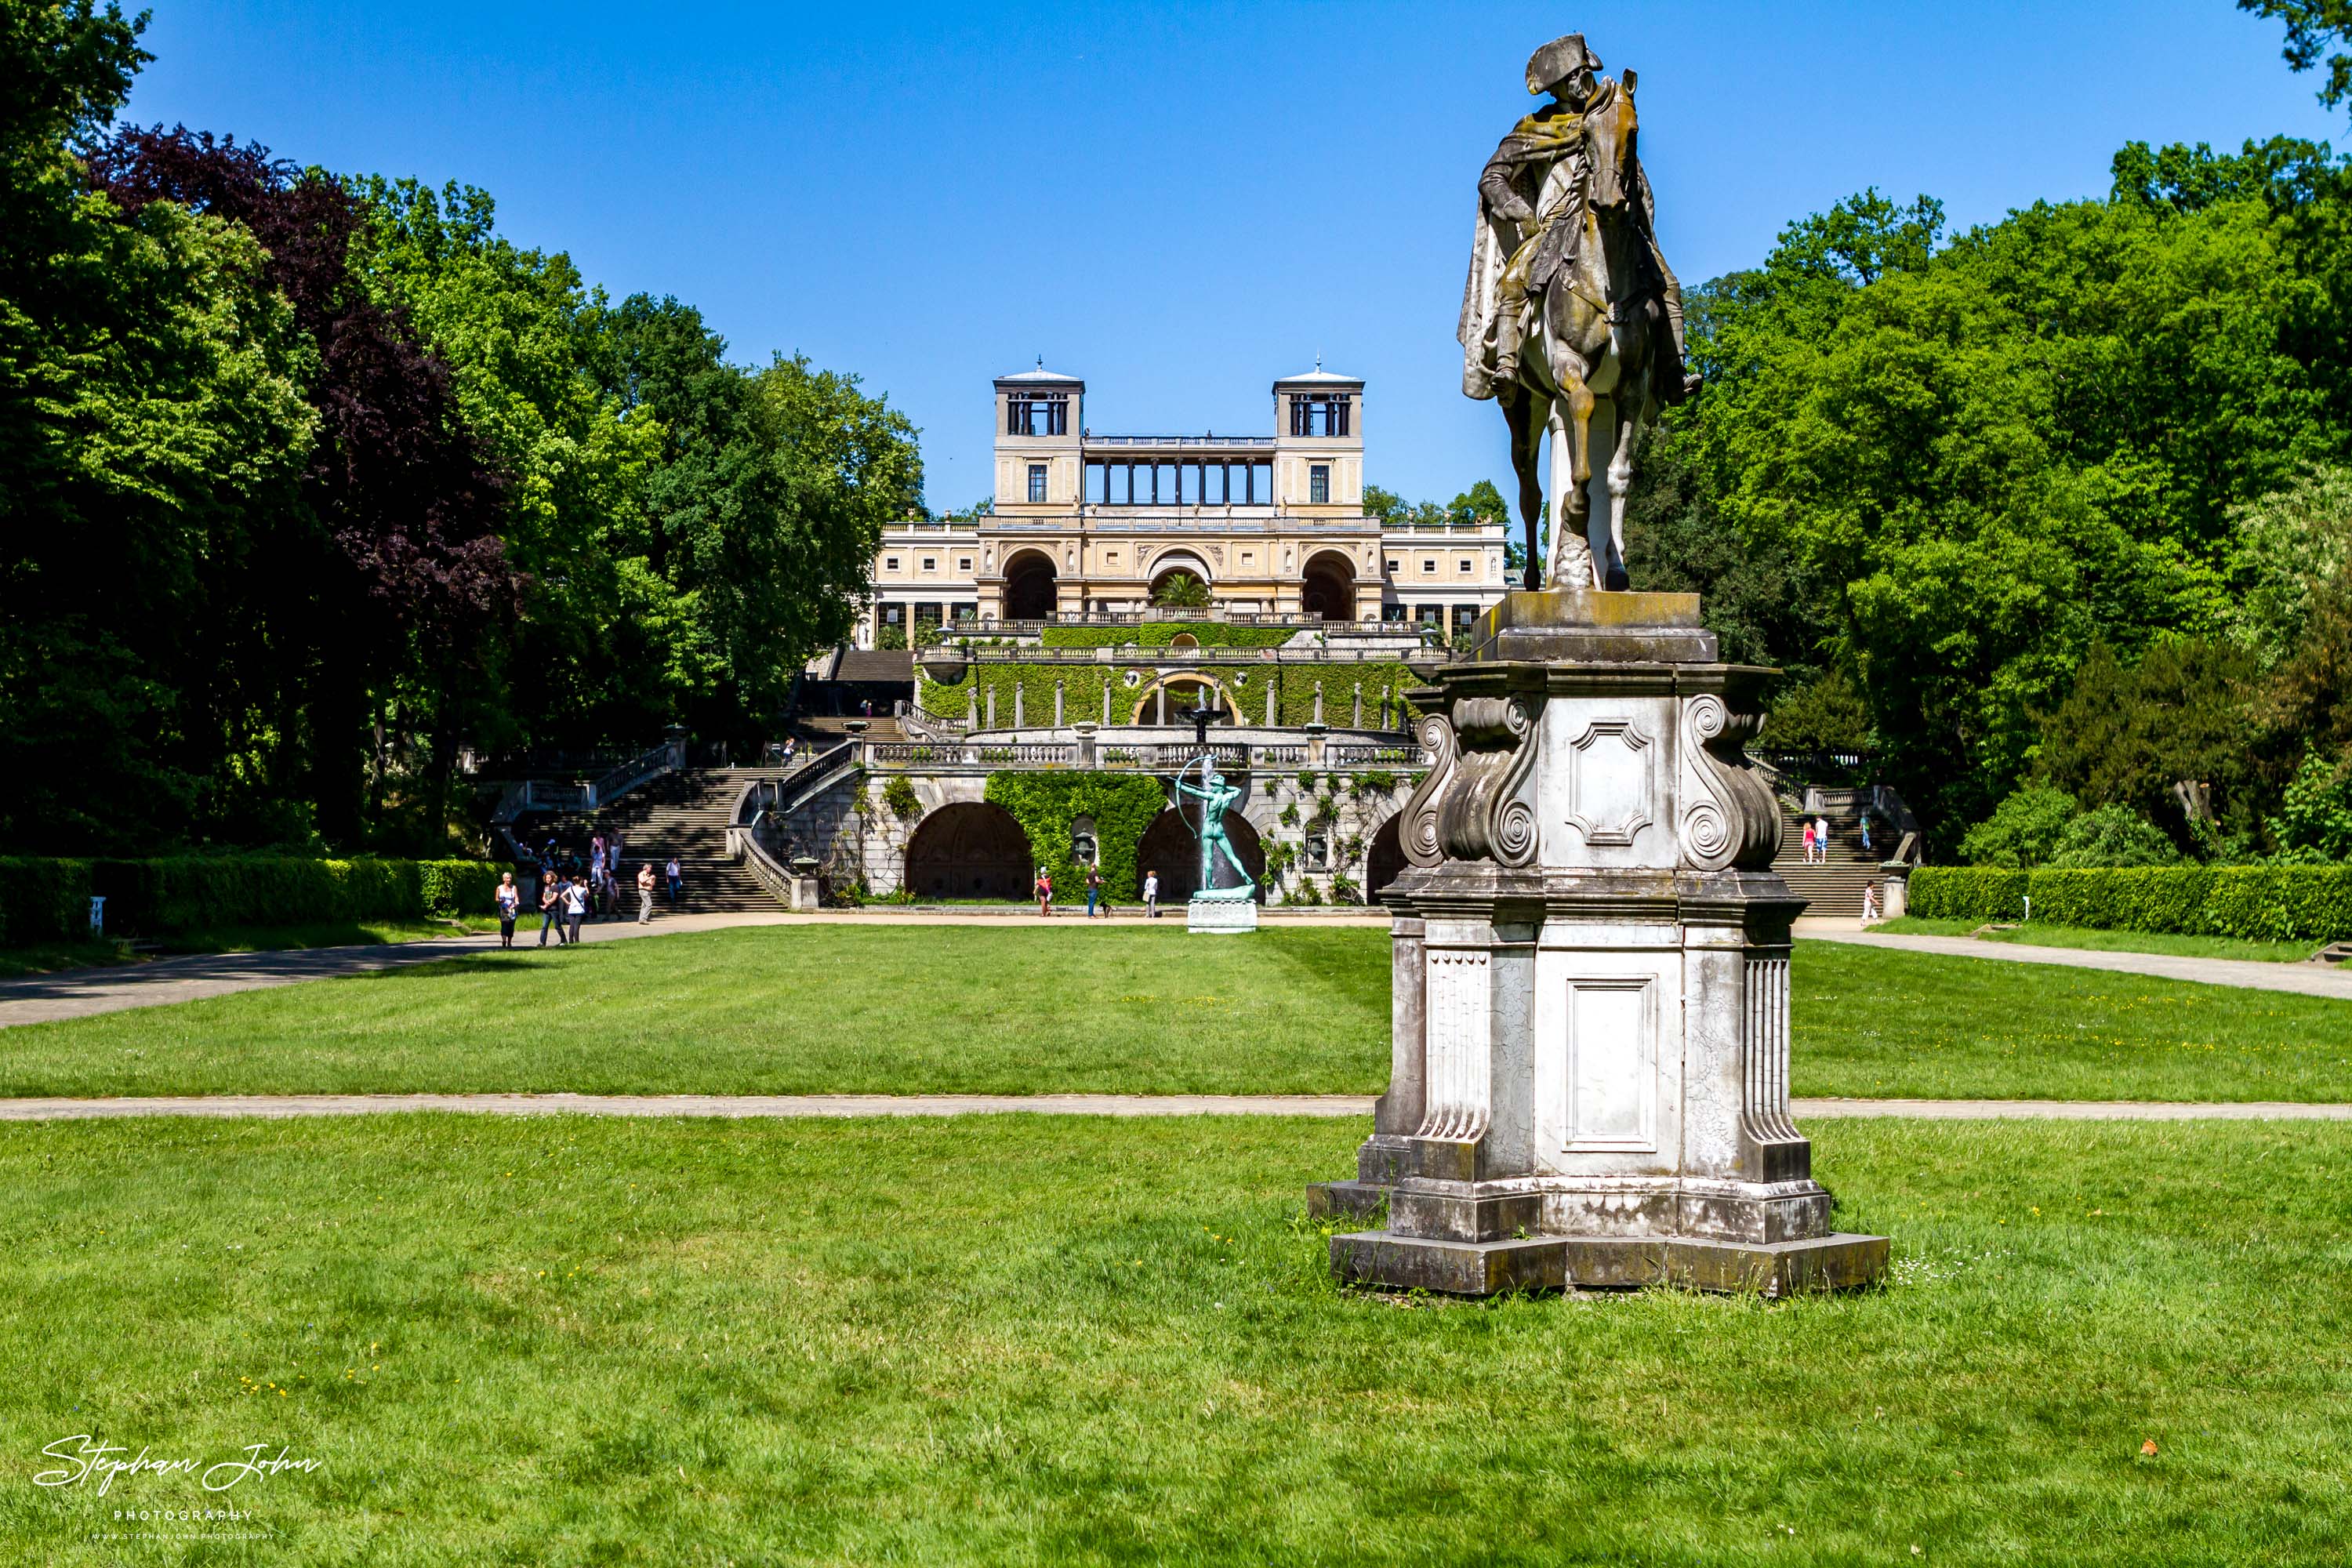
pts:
[1063, 1341]
[2108, 940]
[1126, 1009]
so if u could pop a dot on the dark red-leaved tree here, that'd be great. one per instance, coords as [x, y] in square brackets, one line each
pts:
[404, 501]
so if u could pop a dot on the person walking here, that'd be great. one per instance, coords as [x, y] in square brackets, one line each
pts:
[1869, 903]
[1151, 895]
[1865, 836]
[1045, 890]
[509, 898]
[1094, 889]
[1809, 843]
[645, 893]
[1822, 838]
[675, 881]
[551, 908]
[575, 909]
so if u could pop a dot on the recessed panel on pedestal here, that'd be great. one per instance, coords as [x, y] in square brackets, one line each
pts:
[1604, 1087]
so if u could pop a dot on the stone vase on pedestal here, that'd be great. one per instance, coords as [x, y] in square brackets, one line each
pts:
[1589, 1074]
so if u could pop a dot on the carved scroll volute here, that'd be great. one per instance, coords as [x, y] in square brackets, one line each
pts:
[1729, 818]
[1417, 833]
[1482, 817]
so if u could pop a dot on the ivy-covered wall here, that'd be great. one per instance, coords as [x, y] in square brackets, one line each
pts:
[1045, 805]
[1083, 686]
[1160, 634]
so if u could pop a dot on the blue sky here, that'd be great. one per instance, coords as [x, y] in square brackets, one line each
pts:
[1178, 203]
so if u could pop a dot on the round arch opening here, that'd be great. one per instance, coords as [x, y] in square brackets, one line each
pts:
[1384, 861]
[1183, 692]
[972, 849]
[1030, 587]
[1328, 587]
[1169, 846]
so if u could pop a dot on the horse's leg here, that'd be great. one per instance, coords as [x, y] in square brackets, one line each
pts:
[1572, 553]
[1600, 442]
[1621, 479]
[1526, 422]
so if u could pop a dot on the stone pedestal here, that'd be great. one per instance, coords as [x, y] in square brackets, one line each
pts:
[1219, 917]
[1589, 1061]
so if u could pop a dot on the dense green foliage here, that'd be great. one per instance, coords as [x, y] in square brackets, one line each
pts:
[1970, 475]
[311, 483]
[1060, 1340]
[2263, 903]
[48, 899]
[1048, 806]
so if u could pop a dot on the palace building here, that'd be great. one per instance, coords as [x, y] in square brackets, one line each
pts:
[1087, 526]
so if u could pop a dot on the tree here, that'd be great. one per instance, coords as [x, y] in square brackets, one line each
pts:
[2023, 831]
[1181, 591]
[388, 588]
[2128, 733]
[2314, 28]
[1992, 453]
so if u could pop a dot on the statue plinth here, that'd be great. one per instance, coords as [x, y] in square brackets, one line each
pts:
[1219, 917]
[1590, 1055]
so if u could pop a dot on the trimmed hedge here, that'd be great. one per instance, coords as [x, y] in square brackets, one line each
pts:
[48, 900]
[2258, 904]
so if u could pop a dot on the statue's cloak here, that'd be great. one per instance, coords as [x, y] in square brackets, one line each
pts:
[1522, 163]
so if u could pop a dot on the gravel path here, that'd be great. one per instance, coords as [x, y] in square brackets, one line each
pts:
[836, 1105]
[2308, 979]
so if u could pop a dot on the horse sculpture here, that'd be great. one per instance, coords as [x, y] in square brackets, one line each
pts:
[1588, 370]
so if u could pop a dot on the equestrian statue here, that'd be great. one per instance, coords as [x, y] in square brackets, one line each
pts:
[1571, 319]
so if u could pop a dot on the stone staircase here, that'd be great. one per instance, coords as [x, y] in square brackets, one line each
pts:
[685, 815]
[1833, 889]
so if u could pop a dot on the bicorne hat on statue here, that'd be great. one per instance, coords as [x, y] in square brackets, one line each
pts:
[1557, 59]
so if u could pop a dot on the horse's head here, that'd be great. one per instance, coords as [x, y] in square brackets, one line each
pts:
[1608, 133]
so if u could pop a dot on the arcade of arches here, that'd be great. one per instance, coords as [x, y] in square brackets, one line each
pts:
[969, 850]
[1168, 846]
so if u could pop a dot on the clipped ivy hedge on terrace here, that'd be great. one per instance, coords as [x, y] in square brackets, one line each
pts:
[1046, 805]
[49, 899]
[1160, 634]
[2258, 904]
[1083, 686]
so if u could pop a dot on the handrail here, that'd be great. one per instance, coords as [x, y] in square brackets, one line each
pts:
[668, 757]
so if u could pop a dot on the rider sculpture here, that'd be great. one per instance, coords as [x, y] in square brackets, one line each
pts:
[1571, 318]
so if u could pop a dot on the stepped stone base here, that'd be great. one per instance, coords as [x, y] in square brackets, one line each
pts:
[1838, 1261]
[1219, 917]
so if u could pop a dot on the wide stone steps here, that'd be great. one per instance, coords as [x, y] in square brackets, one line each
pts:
[683, 816]
[1831, 888]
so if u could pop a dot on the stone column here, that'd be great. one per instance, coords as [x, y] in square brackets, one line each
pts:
[1018, 720]
[1057, 704]
[992, 708]
[1162, 709]
[1271, 683]
[1106, 718]
[1358, 722]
